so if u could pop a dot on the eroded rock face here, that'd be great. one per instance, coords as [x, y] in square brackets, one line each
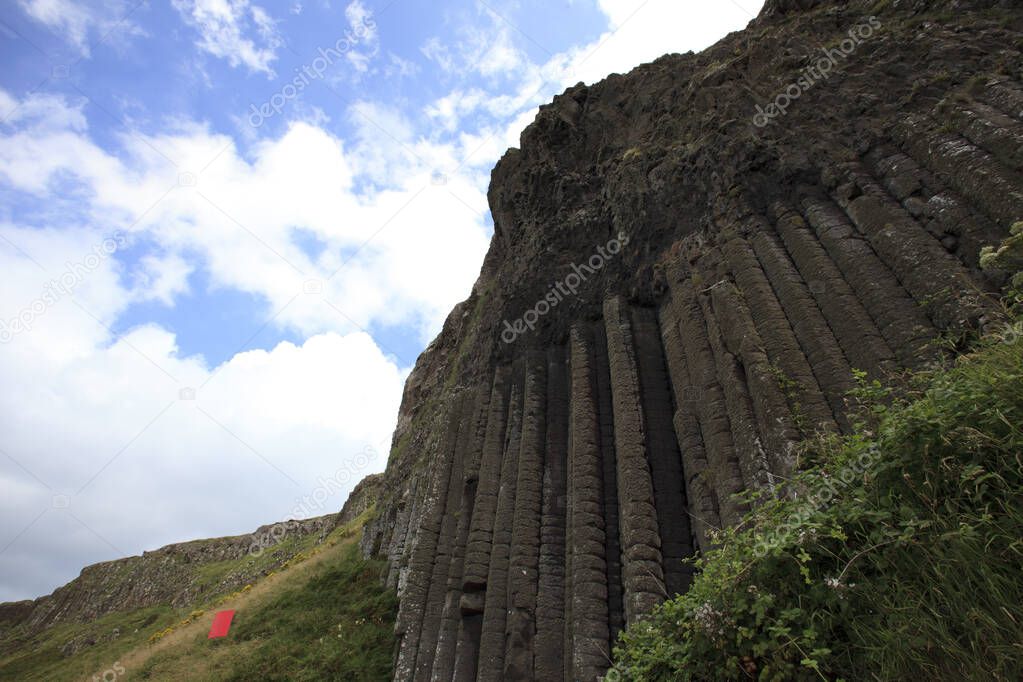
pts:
[689, 261]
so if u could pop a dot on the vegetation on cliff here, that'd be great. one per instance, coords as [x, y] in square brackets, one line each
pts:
[322, 615]
[894, 555]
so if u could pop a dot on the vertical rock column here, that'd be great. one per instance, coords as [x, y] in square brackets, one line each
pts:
[409, 623]
[477, 552]
[703, 504]
[525, 549]
[662, 453]
[763, 394]
[495, 614]
[725, 477]
[642, 572]
[588, 626]
[779, 339]
[400, 541]
[750, 450]
[612, 525]
[852, 325]
[437, 585]
[447, 637]
[811, 329]
[548, 656]
[902, 323]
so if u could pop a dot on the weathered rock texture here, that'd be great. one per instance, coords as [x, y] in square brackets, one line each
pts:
[699, 292]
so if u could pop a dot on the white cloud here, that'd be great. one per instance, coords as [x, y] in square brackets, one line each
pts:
[403, 245]
[642, 30]
[234, 30]
[261, 434]
[404, 251]
[482, 48]
[362, 39]
[496, 54]
[162, 278]
[241, 215]
[63, 15]
[449, 110]
[440, 53]
[107, 19]
[397, 66]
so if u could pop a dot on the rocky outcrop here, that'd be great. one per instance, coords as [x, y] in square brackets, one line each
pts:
[690, 265]
[179, 575]
[362, 498]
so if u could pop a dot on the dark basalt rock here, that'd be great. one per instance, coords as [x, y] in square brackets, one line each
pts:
[546, 482]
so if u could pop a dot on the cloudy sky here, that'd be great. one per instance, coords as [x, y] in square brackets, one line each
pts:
[228, 227]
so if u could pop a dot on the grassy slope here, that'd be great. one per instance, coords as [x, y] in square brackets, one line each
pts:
[324, 616]
[27, 655]
[899, 559]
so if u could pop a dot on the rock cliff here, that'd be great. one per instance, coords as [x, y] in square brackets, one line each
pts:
[179, 575]
[689, 265]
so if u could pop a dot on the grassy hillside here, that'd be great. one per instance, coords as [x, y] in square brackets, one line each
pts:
[324, 616]
[895, 556]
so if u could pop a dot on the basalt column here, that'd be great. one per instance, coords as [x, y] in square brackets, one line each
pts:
[704, 393]
[548, 657]
[495, 614]
[437, 587]
[478, 545]
[587, 635]
[525, 549]
[544, 492]
[447, 637]
[662, 452]
[703, 503]
[417, 586]
[612, 524]
[642, 571]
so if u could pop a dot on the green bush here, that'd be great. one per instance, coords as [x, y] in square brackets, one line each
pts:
[895, 553]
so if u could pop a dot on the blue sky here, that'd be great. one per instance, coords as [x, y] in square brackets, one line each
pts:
[228, 227]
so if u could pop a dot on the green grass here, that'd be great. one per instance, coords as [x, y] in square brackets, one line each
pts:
[894, 555]
[323, 616]
[337, 626]
[40, 657]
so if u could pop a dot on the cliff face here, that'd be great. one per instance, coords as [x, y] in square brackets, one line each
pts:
[689, 263]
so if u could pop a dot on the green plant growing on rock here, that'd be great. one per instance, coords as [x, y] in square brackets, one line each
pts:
[907, 569]
[790, 388]
[1008, 257]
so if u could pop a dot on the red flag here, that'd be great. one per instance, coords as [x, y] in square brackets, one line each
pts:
[221, 624]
